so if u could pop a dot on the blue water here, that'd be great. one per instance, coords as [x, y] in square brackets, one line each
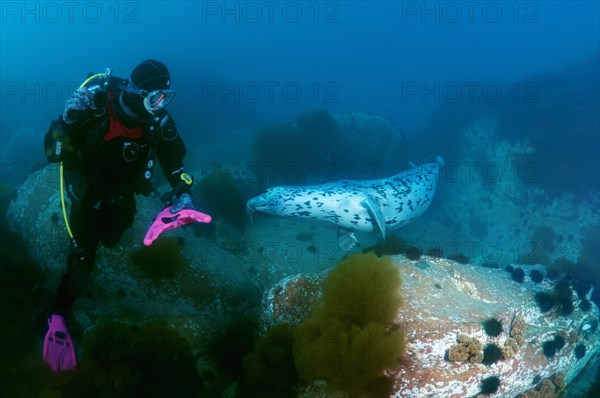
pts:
[430, 67]
[371, 53]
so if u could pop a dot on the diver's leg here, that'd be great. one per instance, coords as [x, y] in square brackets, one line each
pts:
[59, 351]
[116, 217]
[80, 265]
[81, 259]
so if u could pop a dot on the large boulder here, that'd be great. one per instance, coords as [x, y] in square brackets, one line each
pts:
[198, 286]
[445, 307]
[370, 145]
[491, 208]
[22, 155]
[322, 147]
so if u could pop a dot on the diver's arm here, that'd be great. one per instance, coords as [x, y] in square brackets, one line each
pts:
[170, 154]
[84, 105]
[83, 111]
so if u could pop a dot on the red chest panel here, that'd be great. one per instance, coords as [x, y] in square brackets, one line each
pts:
[116, 128]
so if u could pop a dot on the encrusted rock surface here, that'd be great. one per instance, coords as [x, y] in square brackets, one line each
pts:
[448, 299]
[291, 300]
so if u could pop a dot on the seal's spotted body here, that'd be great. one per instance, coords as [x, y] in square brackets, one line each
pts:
[368, 206]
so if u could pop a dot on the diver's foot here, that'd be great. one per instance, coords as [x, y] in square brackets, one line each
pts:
[59, 352]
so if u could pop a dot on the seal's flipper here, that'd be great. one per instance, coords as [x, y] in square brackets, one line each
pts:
[375, 211]
[346, 239]
[59, 352]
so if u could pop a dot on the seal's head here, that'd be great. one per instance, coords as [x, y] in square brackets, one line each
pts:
[268, 202]
[252, 205]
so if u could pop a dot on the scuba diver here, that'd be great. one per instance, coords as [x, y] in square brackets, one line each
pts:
[107, 140]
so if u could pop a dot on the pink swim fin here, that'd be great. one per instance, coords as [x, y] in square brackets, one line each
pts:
[59, 351]
[165, 220]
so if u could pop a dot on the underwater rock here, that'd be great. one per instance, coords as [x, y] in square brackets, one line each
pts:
[447, 300]
[21, 156]
[200, 295]
[490, 181]
[368, 144]
[291, 300]
[322, 147]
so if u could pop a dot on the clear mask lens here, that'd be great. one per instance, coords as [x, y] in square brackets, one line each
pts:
[158, 99]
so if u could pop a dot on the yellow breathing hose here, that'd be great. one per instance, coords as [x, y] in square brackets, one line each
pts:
[62, 201]
[62, 185]
[89, 79]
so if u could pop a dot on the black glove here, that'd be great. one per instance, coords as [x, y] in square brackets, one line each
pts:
[84, 102]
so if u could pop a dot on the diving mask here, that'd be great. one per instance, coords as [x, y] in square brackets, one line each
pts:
[153, 100]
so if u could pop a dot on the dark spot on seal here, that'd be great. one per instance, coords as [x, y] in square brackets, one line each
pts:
[307, 203]
[312, 249]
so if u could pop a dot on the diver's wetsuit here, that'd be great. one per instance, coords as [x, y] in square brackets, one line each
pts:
[109, 159]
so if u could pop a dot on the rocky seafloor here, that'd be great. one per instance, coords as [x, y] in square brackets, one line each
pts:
[284, 262]
[200, 279]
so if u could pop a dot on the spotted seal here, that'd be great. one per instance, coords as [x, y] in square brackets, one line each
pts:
[356, 205]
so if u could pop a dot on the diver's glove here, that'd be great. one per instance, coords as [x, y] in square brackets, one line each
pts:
[84, 102]
[183, 202]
